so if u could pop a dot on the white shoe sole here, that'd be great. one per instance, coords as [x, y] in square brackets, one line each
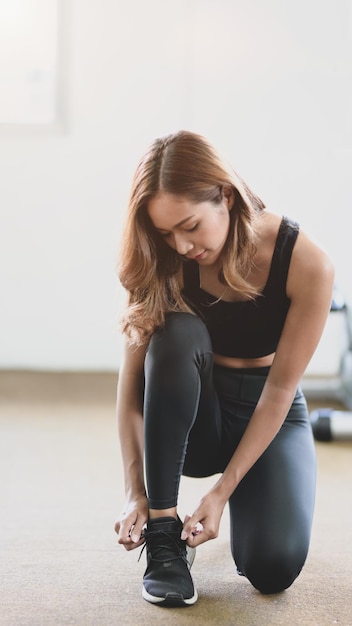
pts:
[171, 599]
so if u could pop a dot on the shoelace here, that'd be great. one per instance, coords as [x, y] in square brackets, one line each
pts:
[151, 537]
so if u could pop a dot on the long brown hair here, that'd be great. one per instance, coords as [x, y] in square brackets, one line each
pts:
[183, 164]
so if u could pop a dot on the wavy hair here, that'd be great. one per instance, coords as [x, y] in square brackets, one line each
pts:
[183, 164]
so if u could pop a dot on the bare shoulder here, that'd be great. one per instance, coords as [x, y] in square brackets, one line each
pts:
[311, 268]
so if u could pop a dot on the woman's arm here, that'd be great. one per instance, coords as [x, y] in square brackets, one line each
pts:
[309, 286]
[130, 427]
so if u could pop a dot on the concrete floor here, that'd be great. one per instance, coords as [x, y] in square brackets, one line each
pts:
[61, 489]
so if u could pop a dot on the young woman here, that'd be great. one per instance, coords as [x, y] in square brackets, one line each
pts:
[226, 305]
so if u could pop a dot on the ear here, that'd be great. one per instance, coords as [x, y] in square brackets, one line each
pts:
[228, 196]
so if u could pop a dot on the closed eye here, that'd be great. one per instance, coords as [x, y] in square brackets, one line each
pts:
[190, 230]
[187, 230]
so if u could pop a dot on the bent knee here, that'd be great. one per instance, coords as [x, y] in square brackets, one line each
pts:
[182, 324]
[274, 573]
[181, 331]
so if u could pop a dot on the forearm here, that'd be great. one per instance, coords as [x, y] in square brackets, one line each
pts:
[132, 450]
[130, 429]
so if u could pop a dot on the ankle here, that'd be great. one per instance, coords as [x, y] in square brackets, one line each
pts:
[171, 512]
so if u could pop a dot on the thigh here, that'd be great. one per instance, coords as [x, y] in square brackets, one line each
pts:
[272, 509]
[182, 419]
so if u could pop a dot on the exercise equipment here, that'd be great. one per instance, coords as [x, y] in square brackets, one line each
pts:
[331, 425]
[329, 374]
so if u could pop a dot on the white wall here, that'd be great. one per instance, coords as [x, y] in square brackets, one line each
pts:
[268, 82]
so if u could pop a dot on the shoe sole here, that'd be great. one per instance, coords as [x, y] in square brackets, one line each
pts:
[171, 599]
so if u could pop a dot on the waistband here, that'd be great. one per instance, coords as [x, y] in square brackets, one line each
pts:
[247, 371]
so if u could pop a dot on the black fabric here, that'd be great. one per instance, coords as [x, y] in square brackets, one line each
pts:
[247, 329]
[194, 415]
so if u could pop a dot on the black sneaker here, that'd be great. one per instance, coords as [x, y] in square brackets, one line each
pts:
[167, 580]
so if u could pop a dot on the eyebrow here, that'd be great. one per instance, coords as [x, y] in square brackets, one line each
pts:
[177, 225]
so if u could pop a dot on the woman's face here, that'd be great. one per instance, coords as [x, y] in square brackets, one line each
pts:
[196, 231]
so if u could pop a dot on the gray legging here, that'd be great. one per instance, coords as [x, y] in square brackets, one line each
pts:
[194, 415]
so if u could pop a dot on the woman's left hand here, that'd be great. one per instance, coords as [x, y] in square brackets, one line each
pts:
[205, 521]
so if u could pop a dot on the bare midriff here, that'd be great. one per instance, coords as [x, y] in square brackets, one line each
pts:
[235, 362]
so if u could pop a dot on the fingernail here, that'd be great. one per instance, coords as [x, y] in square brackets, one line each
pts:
[184, 535]
[135, 538]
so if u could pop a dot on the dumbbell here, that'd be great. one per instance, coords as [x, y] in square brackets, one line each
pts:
[331, 425]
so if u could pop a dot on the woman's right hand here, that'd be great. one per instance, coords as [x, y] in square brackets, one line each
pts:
[131, 522]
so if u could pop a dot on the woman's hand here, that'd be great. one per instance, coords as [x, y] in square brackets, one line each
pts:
[129, 526]
[205, 521]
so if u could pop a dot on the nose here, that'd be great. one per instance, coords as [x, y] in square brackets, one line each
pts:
[182, 244]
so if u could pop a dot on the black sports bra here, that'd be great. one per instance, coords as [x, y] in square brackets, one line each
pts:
[251, 328]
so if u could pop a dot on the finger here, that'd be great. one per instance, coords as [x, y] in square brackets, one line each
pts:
[196, 540]
[131, 531]
[130, 545]
[137, 532]
[125, 530]
[192, 526]
[203, 533]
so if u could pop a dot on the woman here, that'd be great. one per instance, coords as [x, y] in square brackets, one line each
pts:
[226, 305]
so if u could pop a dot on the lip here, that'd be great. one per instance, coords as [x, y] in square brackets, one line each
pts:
[199, 256]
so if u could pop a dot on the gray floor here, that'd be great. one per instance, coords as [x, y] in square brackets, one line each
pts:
[61, 488]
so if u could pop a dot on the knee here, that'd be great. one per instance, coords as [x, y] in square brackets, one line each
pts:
[181, 334]
[275, 572]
